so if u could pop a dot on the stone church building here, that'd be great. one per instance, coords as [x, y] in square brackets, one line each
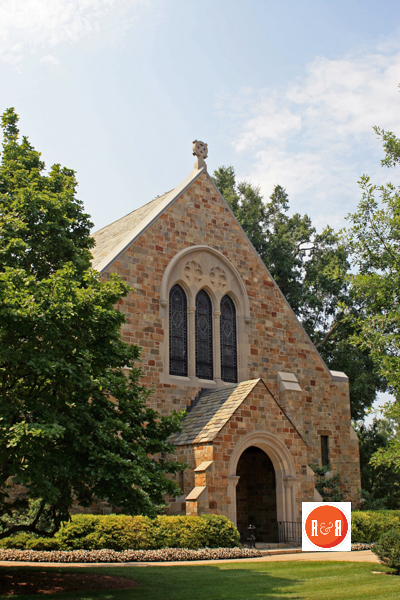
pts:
[220, 340]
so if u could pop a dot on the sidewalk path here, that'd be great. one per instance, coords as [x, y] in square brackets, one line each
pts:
[356, 556]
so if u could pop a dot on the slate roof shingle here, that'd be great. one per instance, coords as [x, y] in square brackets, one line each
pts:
[113, 240]
[212, 412]
[110, 236]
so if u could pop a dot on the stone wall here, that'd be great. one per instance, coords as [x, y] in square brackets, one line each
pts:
[276, 341]
[258, 421]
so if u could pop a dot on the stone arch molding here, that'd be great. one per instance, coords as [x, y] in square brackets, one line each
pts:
[285, 473]
[202, 264]
[196, 268]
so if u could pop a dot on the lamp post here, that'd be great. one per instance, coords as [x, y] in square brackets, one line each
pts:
[251, 538]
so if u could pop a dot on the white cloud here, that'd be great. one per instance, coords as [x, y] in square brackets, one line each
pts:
[314, 135]
[271, 122]
[35, 24]
[50, 60]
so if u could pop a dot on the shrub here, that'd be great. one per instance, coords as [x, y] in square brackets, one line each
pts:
[368, 526]
[93, 532]
[205, 531]
[180, 532]
[73, 533]
[43, 543]
[388, 549]
[18, 541]
[121, 532]
[221, 532]
[25, 541]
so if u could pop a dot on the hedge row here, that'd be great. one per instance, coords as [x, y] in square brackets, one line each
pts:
[112, 532]
[111, 556]
[368, 526]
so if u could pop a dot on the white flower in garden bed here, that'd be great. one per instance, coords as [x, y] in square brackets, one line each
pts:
[112, 556]
[361, 546]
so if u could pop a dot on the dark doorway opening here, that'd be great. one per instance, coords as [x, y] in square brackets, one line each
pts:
[256, 495]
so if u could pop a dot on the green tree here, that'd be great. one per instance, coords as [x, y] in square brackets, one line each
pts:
[274, 234]
[380, 483]
[328, 484]
[374, 240]
[72, 425]
[315, 284]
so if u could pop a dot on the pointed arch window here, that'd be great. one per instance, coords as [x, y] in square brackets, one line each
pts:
[204, 342]
[228, 340]
[178, 364]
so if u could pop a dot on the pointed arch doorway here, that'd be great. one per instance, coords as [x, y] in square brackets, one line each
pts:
[284, 468]
[256, 495]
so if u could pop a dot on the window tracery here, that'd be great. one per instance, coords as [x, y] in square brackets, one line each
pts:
[204, 341]
[178, 364]
[228, 340]
[209, 358]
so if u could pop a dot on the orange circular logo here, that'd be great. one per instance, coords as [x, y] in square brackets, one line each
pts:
[326, 526]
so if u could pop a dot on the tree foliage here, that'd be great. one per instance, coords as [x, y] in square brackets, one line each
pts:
[274, 234]
[388, 549]
[315, 284]
[72, 424]
[328, 484]
[374, 238]
[43, 226]
[380, 483]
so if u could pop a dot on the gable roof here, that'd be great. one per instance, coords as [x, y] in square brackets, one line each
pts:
[114, 239]
[213, 410]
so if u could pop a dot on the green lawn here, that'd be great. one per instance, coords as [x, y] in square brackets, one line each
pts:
[245, 581]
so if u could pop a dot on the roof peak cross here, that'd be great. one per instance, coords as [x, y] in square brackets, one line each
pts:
[200, 149]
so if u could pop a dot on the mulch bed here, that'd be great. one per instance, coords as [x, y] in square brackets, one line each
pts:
[33, 581]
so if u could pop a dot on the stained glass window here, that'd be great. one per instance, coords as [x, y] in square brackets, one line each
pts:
[204, 351]
[178, 332]
[228, 340]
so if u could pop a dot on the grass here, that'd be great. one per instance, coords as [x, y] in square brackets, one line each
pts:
[243, 581]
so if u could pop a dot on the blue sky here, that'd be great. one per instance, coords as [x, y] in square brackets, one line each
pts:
[287, 92]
